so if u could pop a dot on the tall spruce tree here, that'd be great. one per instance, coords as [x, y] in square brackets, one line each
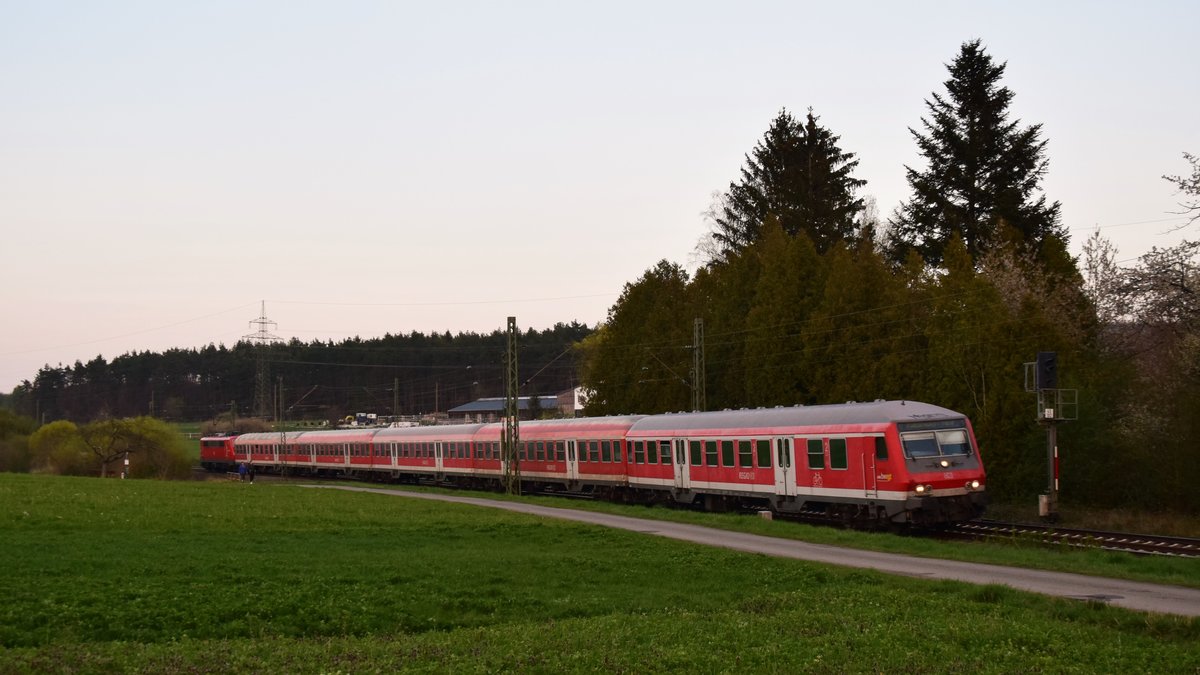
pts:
[797, 173]
[983, 169]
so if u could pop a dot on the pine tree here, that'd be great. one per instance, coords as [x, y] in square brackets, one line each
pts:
[983, 169]
[798, 174]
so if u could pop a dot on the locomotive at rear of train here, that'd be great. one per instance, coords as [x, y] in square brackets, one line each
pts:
[865, 463]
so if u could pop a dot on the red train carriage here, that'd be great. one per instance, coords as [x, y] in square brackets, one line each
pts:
[271, 450]
[443, 452]
[581, 454]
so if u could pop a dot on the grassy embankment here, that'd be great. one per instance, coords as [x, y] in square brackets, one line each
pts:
[138, 575]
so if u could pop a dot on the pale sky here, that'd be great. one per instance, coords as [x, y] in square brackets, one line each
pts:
[373, 167]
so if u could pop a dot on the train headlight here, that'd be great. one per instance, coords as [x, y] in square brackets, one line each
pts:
[945, 463]
[923, 489]
[973, 485]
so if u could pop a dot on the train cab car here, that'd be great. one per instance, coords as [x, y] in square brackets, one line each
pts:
[863, 463]
[942, 469]
[217, 453]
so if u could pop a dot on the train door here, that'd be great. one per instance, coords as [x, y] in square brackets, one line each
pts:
[870, 476]
[785, 479]
[437, 456]
[572, 462]
[682, 478]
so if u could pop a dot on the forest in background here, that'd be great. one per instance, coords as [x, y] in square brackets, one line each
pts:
[321, 380]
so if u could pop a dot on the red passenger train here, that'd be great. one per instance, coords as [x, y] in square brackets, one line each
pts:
[880, 462]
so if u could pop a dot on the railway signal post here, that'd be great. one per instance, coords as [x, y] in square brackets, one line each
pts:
[1054, 405]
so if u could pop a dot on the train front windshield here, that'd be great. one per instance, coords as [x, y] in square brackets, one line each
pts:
[936, 443]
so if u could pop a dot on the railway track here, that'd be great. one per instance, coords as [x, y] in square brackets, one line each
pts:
[1049, 535]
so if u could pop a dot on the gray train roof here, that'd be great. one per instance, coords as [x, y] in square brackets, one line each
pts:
[268, 436]
[877, 412]
[396, 433]
[568, 422]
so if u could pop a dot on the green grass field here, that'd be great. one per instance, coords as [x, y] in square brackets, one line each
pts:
[191, 438]
[118, 576]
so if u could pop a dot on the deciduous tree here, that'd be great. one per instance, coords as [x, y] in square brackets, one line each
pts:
[1189, 187]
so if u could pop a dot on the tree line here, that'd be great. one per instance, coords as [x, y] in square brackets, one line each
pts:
[410, 374]
[808, 297]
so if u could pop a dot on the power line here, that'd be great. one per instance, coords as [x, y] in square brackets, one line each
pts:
[442, 303]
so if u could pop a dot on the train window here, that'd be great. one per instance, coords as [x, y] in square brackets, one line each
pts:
[837, 453]
[764, 453]
[639, 453]
[923, 444]
[816, 454]
[710, 453]
[606, 451]
[617, 451]
[954, 442]
[560, 451]
[593, 451]
[880, 448]
[697, 452]
[664, 452]
[726, 453]
[540, 451]
[745, 454]
[651, 452]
